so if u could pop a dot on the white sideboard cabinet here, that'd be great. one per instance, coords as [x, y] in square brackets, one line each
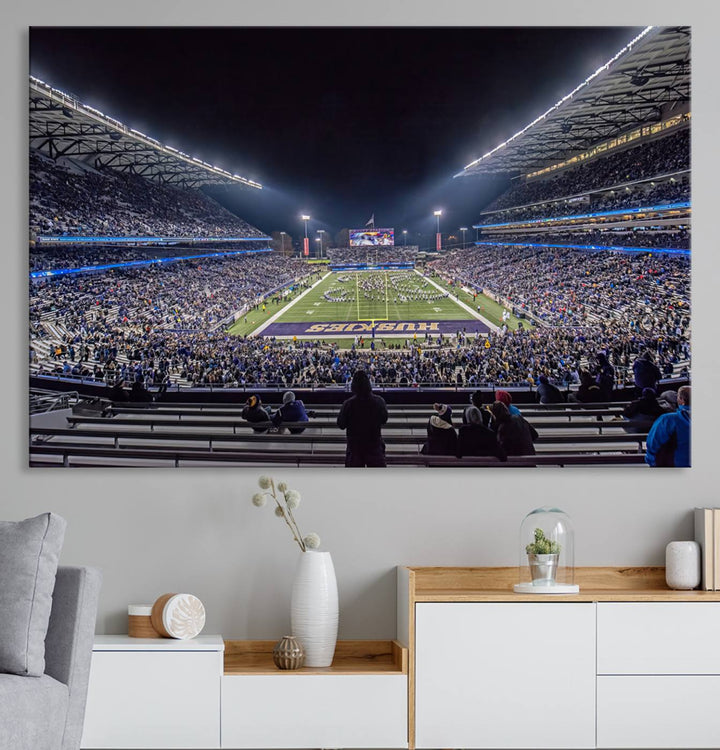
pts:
[626, 663]
[154, 693]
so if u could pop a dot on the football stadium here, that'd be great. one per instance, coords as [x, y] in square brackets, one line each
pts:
[166, 329]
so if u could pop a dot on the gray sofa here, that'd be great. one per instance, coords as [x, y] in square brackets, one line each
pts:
[47, 712]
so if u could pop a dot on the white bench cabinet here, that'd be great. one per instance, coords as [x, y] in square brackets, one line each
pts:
[154, 693]
[505, 675]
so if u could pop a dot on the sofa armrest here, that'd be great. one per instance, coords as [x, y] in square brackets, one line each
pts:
[69, 641]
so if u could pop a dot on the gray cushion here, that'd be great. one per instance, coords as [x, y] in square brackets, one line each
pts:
[29, 552]
[32, 712]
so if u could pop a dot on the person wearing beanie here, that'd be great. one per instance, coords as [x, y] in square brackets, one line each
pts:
[442, 438]
[641, 413]
[292, 410]
[506, 398]
[514, 433]
[475, 438]
[363, 416]
[254, 412]
[668, 401]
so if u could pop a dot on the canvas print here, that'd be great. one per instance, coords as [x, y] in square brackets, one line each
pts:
[462, 248]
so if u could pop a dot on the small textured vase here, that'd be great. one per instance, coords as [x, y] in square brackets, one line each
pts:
[288, 653]
[314, 608]
[682, 565]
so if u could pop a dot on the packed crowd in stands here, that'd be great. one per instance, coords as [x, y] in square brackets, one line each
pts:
[512, 359]
[665, 155]
[674, 190]
[668, 238]
[98, 313]
[156, 324]
[164, 323]
[73, 199]
[573, 288]
[47, 258]
[371, 255]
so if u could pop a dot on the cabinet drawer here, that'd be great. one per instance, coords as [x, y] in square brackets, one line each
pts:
[310, 711]
[153, 700]
[658, 638]
[658, 711]
[502, 675]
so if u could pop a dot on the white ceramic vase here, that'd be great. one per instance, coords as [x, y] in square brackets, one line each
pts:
[314, 607]
[682, 565]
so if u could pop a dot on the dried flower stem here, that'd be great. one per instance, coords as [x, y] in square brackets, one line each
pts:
[288, 517]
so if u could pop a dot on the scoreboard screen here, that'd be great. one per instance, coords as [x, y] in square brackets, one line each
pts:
[371, 237]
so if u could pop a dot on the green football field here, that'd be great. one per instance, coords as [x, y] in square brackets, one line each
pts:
[376, 296]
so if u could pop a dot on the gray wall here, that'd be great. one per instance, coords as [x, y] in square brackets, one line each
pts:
[195, 530]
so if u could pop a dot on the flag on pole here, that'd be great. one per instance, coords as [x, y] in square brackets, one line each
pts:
[371, 221]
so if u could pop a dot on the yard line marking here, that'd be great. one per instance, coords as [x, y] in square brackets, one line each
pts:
[387, 309]
[272, 319]
[458, 302]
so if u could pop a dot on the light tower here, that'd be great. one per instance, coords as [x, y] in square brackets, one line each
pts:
[438, 237]
[306, 242]
[282, 242]
[321, 232]
[318, 250]
[463, 230]
[405, 237]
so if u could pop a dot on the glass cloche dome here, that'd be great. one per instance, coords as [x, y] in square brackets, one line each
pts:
[547, 553]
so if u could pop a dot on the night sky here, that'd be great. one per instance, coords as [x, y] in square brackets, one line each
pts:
[339, 122]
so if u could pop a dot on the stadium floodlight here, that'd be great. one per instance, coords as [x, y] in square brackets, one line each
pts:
[463, 230]
[438, 237]
[405, 237]
[306, 245]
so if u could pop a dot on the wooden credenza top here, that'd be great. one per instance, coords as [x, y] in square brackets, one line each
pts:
[597, 584]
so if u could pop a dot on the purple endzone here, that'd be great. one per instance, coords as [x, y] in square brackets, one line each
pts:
[384, 328]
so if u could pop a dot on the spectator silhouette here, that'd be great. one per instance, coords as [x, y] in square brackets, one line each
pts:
[253, 411]
[506, 398]
[514, 434]
[646, 372]
[641, 413]
[292, 410]
[475, 438]
[442, 438]
[547, 393]
[363, 416]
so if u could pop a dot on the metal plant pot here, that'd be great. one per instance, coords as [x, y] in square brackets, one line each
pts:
[543, 568]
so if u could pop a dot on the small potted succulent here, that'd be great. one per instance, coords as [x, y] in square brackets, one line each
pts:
[543, 555]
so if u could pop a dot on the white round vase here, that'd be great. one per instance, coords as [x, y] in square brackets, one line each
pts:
[314, 607]
[682, 565]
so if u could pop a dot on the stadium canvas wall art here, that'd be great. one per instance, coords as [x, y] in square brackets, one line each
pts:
[204, 288]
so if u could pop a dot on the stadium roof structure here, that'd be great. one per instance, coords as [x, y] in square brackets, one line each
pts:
[646, 81]
[61, 125]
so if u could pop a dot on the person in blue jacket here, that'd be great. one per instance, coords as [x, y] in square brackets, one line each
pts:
[292, 410]
[668, 443]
